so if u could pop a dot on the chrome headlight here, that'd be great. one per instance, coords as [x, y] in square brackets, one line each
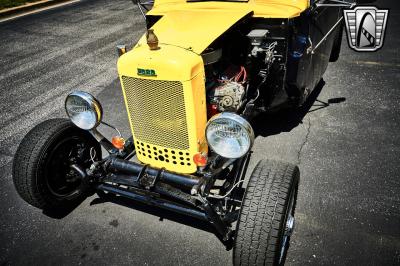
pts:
[83, 109]
[229, 135]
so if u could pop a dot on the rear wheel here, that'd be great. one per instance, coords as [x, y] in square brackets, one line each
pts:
[43, 171]
[337, 44]
[266, 219]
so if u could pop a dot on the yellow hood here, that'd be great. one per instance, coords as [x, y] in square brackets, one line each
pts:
[195, 25]
[261, 8]
[196, 29]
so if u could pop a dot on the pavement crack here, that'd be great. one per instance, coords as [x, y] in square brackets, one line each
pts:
[303, 144]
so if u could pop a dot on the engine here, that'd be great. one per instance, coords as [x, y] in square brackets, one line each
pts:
[225, 83]
[227, 96]
[239, 70]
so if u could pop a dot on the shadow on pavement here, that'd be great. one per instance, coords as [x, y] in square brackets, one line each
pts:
[159, 212]
[285, 120]
[59, 213]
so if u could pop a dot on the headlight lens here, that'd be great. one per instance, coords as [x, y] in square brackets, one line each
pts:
[83, 110]
[229, 135]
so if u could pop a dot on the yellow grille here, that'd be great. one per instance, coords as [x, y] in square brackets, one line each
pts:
[157, 112]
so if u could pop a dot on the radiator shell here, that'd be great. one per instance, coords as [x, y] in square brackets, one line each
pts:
[166, 111]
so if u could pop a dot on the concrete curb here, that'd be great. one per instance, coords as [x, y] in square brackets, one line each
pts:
[20, 10]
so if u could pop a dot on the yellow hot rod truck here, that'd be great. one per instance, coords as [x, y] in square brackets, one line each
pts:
[192, 86]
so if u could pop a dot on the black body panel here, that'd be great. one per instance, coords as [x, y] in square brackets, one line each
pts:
[306, 65]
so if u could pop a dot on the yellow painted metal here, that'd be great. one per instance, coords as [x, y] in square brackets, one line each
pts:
[167, 112]
[170, 62]
[195, 25]
[194, 29]
[261, 8]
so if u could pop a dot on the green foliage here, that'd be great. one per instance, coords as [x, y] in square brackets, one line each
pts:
[12, 3]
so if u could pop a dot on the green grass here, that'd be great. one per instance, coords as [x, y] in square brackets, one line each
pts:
[12, 3]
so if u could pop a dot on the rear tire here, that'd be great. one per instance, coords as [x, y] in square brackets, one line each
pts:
[337, 44]
[41, 169]
[262, 231]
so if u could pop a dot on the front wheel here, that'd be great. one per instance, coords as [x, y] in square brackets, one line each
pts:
[43, 171]
[266, 219]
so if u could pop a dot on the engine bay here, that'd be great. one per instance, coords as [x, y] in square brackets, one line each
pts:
[238, 69]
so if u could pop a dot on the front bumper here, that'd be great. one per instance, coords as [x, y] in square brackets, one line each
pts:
[147, 176]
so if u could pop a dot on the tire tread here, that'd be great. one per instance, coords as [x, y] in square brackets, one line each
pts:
[263, 209]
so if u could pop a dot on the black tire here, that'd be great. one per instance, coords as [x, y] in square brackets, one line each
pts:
[337, 44]
[41, 169]
[272, 189]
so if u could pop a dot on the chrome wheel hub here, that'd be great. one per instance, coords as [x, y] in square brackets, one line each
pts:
[289, 225]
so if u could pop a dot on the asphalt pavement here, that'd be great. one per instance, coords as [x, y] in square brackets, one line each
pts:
[348, 210]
